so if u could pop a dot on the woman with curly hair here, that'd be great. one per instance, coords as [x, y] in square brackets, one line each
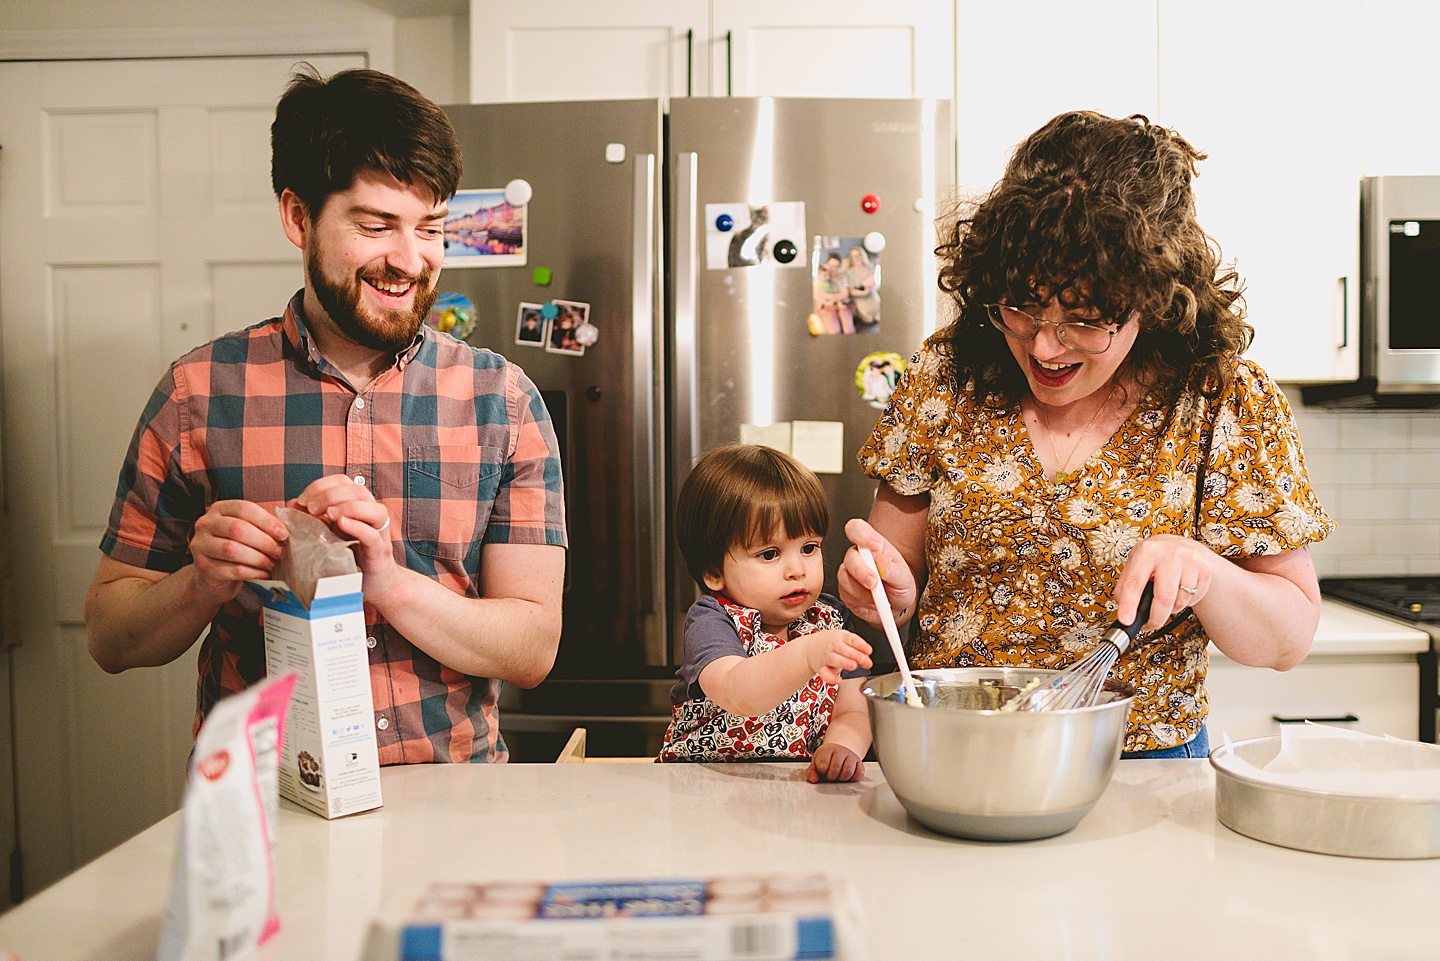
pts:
[1085, 426]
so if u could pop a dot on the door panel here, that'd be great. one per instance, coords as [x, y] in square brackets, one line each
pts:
[136, 219]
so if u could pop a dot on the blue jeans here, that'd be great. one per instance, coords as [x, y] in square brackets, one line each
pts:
[1197, 746]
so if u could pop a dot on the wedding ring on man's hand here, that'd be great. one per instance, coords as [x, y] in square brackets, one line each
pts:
[383, 527]
[1188, 590]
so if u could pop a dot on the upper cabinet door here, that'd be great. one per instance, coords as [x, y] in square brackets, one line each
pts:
[1399, 75]
[584, 50]
[1022, 62]
[831, 48]
[1274, 98]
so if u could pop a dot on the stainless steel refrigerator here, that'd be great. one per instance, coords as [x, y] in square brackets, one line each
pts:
[695, 240]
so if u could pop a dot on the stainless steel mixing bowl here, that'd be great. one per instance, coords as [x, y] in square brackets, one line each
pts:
[964, 768]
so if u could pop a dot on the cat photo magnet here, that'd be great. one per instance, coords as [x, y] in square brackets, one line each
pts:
[747, 235]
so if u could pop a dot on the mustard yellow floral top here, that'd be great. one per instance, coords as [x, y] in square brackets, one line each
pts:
[1022, 569]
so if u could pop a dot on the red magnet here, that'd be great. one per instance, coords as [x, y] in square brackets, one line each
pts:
[869, 203]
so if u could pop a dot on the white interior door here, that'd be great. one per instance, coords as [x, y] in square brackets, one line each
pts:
[136, 222]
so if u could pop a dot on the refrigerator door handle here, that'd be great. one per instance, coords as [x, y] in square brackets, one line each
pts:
[649, 472]
[685, 433]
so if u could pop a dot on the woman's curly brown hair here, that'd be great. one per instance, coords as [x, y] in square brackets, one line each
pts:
[1099, 212]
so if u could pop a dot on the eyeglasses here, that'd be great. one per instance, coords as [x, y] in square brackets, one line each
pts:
[1079, 335]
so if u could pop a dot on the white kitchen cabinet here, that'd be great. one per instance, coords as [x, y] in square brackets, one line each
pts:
[1380, 691]
[581, 50]
[1398, 50]
[1273, 95]
[1020, 63]
[1360, 664]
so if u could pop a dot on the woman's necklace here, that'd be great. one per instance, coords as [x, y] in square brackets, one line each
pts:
[1061, 468]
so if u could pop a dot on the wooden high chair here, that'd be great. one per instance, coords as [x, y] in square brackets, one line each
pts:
[574, 753]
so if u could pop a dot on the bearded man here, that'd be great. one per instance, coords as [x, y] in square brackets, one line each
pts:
[438, 459]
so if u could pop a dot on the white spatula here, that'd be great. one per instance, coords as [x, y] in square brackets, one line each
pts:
[887, 621]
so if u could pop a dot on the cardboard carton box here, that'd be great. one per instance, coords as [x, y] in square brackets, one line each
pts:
[755, 917]
[329, 763]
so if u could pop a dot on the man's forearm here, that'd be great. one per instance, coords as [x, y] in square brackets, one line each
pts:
[137, 622]
[509, 638]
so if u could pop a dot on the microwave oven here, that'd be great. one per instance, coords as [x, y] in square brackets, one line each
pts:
[1400, 284]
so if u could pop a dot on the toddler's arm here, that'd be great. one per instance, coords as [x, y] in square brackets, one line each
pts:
[750, 686]
[846, 739]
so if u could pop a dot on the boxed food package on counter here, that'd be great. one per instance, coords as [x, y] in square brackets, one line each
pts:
[755, 917]
[330, 762]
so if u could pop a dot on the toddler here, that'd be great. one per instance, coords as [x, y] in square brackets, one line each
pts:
[771, 669]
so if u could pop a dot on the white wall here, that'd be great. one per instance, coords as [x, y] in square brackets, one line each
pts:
[1378, 475]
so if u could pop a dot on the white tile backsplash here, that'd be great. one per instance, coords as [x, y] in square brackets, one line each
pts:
[1378, 474]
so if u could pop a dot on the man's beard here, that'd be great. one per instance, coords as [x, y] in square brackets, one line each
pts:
[386, 330]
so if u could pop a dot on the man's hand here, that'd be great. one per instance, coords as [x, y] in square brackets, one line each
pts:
[353, 511]
[828, 653]
[235, 541]
[834, 762]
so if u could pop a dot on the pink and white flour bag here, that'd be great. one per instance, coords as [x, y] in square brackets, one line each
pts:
[222, 893]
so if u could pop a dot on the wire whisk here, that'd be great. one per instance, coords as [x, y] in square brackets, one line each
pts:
[1079, 685]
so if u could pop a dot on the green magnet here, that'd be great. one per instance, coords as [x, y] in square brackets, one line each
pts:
[542, 276]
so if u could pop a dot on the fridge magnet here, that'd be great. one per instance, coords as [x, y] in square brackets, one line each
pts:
[847, 287]
[453, 314]
[747, 235]
[530, 326]
[483, 229]
[561, 334]
[877, 376]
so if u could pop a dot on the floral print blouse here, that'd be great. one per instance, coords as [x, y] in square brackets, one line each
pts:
[1021, 569]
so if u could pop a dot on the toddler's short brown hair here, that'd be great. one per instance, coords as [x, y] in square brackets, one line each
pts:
[740, 494]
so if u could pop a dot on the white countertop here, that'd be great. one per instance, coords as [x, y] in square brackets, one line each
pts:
[1148, 873]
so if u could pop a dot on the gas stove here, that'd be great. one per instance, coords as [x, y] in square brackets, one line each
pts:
[1409, 598]
[1413, 598]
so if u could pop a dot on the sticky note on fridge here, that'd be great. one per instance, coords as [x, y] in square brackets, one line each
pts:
[819, 445]
[768, 435]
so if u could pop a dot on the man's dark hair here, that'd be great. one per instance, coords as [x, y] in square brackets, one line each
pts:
[326, 131]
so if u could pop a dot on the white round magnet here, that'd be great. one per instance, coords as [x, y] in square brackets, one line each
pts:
[874, 241]
[517, 193]
[586, 334]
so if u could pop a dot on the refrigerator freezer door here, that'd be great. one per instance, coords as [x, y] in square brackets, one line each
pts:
[593, 223]
[743, 352]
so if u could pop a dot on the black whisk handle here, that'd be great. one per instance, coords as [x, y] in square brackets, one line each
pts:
[1142, 611]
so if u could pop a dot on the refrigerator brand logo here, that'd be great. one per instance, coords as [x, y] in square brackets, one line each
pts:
[894, 127]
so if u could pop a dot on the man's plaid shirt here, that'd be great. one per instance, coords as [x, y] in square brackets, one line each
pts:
[455, 441]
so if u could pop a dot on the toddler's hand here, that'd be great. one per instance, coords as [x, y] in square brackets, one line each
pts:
[832, 762]
[830, 652]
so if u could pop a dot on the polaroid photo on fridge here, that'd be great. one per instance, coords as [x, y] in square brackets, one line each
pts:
[560, 333]
[530, 326]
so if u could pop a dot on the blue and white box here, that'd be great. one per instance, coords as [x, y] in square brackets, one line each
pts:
[330, 761]
[755, 917]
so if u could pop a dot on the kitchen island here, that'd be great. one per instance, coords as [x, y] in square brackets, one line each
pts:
[1148, 873]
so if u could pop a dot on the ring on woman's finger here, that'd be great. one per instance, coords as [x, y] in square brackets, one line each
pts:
[383, 527]
[1189, 590]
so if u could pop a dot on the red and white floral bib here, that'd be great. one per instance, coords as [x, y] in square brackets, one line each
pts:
[701, 730]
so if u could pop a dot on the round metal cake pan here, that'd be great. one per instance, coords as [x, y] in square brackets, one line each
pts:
[1348, 825]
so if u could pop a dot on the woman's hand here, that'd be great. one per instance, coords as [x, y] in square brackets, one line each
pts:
[1182, 570]
[856, 580]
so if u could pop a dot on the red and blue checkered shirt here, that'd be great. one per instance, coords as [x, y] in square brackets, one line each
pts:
[456, 443]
